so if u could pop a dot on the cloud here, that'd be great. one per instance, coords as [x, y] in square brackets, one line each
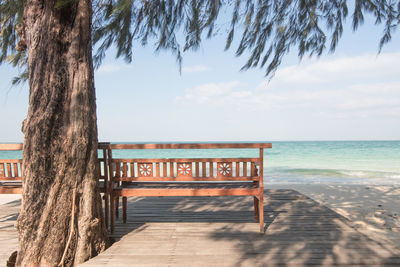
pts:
[316, 72]
[109, 68]
[195, 68]
[359, 86]
[361, 97]
[210, 92]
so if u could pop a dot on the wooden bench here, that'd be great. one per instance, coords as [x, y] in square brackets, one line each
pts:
[11, 171]
[230, 176]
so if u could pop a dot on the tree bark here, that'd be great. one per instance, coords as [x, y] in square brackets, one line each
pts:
[61, 201]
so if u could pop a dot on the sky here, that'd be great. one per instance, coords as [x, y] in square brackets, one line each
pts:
[353, 94]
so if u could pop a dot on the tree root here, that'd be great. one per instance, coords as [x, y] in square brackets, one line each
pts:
[13, 258]
[72, 228]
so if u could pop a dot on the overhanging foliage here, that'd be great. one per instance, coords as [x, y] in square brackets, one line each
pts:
[266, 30]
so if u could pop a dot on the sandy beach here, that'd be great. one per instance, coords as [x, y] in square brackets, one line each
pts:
[372, 209]
[6, 198]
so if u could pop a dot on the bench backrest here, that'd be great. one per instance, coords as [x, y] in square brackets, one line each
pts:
[10, 169]
[186, 169]
[161, 169]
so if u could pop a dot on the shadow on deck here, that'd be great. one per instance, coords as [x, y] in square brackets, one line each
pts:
[220, 231]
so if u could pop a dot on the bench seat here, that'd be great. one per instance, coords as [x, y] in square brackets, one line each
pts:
[10, 188]
[187, 189]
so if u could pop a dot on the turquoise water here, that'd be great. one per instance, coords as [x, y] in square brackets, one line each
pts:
[369, 162]
[344, 162]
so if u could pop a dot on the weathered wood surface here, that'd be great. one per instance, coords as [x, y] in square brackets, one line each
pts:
[220, 231]
[187, 146]
[11, 146]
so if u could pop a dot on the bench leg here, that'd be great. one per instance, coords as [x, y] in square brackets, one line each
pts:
[116, 207]
[256, 209]
[112, 213]
[124, 206]
[106, 208]
[261, 212]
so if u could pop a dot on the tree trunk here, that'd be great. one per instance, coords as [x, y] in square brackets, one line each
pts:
[61, 219]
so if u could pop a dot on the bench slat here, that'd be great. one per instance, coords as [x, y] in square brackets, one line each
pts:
[196, 174]
[253, 169]
[9, 174]
[185, 178]
[118, 170]
[132, 167]
[158, 170]
[14, 189]
[188, 146]
[2, 170]
[154, 192]
[11, 161]
[10, 146]
[203, 169]
[18, 178]
[124, 169]
[171, 169]
[183, 160]
[165, 169]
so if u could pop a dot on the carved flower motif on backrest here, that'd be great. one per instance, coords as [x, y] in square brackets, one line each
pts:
[145, 169]
[184, 169]
[224, 169]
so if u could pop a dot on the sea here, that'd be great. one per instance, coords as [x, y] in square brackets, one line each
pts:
[302, 162]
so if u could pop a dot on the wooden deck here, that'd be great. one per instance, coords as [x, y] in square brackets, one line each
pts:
[220, 231]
